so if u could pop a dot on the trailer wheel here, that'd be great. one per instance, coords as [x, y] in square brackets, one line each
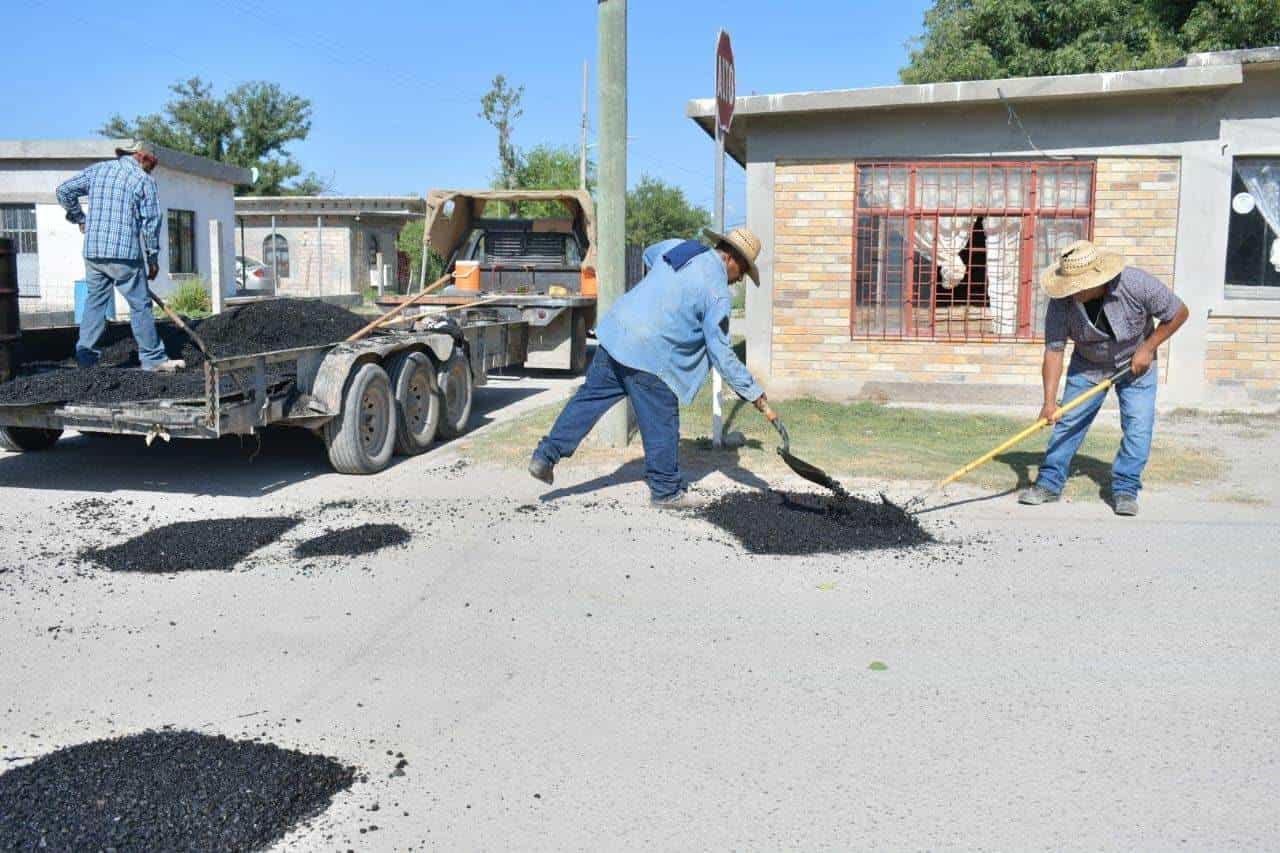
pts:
[22, 439]
[413, 380]
[578, 342]
[455, 383]
[362, 437]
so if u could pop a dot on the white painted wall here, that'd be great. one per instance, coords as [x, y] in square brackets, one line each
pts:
[61, 244]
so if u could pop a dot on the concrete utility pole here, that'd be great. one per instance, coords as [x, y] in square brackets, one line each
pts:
[612, 191]
[582, 145]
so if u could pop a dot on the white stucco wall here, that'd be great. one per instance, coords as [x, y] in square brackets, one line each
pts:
[61, 243]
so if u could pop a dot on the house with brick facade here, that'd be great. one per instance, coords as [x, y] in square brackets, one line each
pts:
[334, 247]
[904, 227]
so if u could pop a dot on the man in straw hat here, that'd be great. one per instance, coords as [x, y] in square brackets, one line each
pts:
[657, 344]
[1110, 311]
[121, 229]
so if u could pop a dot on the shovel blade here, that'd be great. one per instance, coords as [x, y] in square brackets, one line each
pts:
[811, 472]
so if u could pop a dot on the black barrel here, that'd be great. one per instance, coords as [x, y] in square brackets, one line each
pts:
[10, 329]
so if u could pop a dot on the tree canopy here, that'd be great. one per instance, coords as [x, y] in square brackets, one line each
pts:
[500, 106]
[657, 211]
[986, 39]
[249, 127]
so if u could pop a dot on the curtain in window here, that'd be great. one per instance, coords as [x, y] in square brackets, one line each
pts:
[1004, 241]
[1263, 181]
[953, 235]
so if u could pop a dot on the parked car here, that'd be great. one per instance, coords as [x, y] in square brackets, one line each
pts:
[254, 278]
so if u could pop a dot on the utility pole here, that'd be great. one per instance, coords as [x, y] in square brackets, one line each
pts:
[582, 147]
[612, 191]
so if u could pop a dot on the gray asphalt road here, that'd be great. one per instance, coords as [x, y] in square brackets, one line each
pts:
[586, 673]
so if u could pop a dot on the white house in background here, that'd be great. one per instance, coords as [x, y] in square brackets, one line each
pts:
[193, 192]
[356, 236]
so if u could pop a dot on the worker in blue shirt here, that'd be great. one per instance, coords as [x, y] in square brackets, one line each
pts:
[656, 345]
[122, 227]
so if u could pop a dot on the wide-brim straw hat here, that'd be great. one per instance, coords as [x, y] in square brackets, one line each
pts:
[743, 243]
[1080, 266]
[134, 147]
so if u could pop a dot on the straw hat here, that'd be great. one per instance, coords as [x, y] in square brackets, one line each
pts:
[743, 243]
[1080, 266]
[134, 147]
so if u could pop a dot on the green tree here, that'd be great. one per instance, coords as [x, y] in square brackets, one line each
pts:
[657, 211]
[500, 106]
[548, 167]
[249, 127]
[984, 39]
[410, 242]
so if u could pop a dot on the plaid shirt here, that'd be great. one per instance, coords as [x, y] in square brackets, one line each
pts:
[122, 202]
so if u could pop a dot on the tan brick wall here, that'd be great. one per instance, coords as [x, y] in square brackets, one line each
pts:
[1136, 212]
[1244, 353]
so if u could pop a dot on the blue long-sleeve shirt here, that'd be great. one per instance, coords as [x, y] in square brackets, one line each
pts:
[122, 205]
[675, 325]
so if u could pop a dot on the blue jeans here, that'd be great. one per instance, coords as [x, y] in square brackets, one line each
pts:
[657, 415]
[1137, 418]
[103, 276]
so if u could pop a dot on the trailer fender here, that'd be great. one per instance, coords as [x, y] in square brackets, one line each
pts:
[330, 383]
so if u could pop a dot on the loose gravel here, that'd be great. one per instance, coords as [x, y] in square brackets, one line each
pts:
[353, 541]
[795, 523]
[214, 545]
[173, 790]
[257, 327]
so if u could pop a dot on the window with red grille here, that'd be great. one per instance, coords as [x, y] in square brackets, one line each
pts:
[951, 251]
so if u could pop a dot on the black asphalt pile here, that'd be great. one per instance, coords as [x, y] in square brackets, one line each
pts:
[353, 541]
[272, 325]
[795, 523]
[257, 327]
[179, 791]
[192, 546]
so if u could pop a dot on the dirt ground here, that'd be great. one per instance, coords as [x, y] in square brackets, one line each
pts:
[569, 668]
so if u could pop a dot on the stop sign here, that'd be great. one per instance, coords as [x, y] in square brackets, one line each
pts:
[725, 93]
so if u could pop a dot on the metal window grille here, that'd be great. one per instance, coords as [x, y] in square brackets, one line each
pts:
[182, 241]
[951, 250]
[18, 223]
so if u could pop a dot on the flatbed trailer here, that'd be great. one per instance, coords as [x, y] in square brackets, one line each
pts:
[390, 393]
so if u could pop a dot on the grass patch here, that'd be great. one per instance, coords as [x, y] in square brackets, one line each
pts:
[871, 440]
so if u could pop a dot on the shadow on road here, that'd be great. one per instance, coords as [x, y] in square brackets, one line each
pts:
[1025, 465]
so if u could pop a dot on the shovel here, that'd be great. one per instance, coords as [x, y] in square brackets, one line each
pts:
[916, 503]
[808, 470]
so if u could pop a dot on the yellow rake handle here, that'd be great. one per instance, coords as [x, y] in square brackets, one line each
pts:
[1100, 388]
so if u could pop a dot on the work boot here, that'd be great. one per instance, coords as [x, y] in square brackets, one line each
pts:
[682, 499]
[1125, 504]
[169, 365]
[541, 469]
[1036, 494]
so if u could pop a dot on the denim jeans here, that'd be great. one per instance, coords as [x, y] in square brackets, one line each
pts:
[1137, 418]
[657, 415]
[103, 276]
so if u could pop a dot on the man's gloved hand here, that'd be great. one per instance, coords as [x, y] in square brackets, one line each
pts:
[762, 406]
[153, 270]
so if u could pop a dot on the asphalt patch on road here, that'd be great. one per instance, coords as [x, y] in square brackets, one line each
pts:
[193, 546]
[257, 327]
[353, 541]
[173, 790]
[796, 523]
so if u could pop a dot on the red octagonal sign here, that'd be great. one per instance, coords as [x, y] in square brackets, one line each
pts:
[725, 94]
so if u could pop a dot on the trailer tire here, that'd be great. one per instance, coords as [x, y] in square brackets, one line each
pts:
[23, 439]
[578, 342]
[456, 386]
[413, 381]
[362, 437]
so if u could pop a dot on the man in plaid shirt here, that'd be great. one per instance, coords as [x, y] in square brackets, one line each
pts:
[122, 206]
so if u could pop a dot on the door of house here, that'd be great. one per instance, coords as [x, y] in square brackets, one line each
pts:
[18, 223]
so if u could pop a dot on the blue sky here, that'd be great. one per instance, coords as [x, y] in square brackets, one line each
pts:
[395, 85]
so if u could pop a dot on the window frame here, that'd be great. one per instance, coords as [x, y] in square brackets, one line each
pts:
[29, 289]
[913, 212]
[271, 260]
[175, 259]
[1258, 294]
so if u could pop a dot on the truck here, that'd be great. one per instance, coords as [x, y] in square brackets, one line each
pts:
[535, 273]
[390, 393]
